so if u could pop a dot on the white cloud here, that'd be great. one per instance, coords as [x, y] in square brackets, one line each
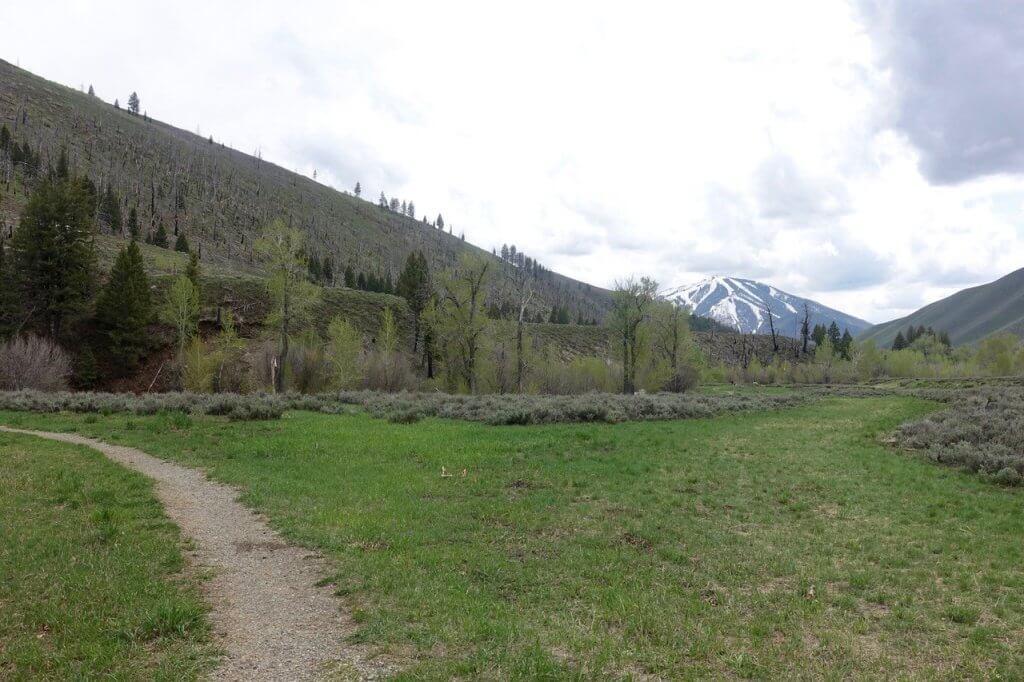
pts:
[677, 139]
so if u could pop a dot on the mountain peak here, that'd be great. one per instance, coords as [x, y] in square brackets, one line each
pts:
[743, 304]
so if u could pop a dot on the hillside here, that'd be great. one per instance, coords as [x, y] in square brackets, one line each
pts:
[968, 316]
[743, 304]
[221, 198]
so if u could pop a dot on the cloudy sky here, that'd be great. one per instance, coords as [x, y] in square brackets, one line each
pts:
[866, 154]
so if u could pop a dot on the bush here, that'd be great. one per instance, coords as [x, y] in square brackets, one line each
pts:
[33, 362]
[684, 379]
[982, 431]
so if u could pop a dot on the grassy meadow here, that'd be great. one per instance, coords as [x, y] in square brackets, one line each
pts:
[775, 544]
[90, 572]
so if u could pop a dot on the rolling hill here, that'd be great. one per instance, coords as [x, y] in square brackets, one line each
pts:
[220, 198]
[743, 304]
[968, 316]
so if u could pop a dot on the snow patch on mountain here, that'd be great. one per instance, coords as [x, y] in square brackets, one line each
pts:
[743, 305]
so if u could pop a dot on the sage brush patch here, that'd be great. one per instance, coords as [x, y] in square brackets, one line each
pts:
[548, 409]
[981, 431]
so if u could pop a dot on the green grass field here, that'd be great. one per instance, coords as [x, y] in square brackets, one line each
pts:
[90, 583]
[788, 544]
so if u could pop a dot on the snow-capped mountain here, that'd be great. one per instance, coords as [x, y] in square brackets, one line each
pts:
[743, 304]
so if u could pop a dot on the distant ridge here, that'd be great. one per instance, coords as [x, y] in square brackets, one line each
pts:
[968, 315]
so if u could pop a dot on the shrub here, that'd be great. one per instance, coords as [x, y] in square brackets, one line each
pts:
[684, 379]
[33, 362]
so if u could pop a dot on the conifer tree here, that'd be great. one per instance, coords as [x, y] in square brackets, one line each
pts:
[833, 334]
[123, 308]
[133, 103]
[439, 222]
[92, 93]
[359, 189]
[414, 287]
[52, 255]
[160, 237]
[133, 223]
[900, 342]
[181, 243]
[350, 277]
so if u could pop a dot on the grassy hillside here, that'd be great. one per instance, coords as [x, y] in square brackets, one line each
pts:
[969, 315]
[221, 198]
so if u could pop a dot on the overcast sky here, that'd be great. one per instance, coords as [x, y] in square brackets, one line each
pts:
[866, 154]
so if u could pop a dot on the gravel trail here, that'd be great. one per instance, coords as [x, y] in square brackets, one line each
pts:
[267, 613]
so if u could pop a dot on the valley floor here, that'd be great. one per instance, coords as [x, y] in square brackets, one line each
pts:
[780, 544]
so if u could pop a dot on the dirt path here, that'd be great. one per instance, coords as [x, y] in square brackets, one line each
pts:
[269, 616]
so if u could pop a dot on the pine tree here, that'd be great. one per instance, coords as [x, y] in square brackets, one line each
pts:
[359, 189]
[383, 201]
[192, 271]
[133, 223]
[328, 270]
[52, 254]
[900, 342]
[92, 93]
[833, 334]
[411, 210]
[133, 103]
[350, 277]
[124, 308]
[160, 237]
[117, 104]
[414, 287]
[181, 243]
[846, 344]
[439, 222]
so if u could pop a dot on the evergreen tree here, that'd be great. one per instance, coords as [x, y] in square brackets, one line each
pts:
[359, 189]
[133, 103]
[833, 334]
[846, 344]
[328, 270]
[439, 222]
[110, 211]
[411, 210]
[181, 243]
[133, 223]
[350, 277]
[86, 373]
[117, 104]
[192, 271]
[92, 93]
[361, 282]
[819, 334]
[160, 237]
[123, 308]
[63, 167]
[900, 342]
[52, 254]
[383, 201]
[5, 138]
[414, 287]
[394, 204]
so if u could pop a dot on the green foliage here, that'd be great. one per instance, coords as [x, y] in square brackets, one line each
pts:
[229, 355]
[631, 301]
[181, 243]
[123, 308]
[458, 320]
[52, 256]
[292, 295]
[86, 372]
[159, 238]
[344, 350]
[415, 287]
[181, 310]
[198, 367]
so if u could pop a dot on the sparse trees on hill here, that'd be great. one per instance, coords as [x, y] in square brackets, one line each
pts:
[133, 103]
[358, 190]
[123, 308]
[292, 295]
[383, 201]
[92, 93]
[439, 223]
